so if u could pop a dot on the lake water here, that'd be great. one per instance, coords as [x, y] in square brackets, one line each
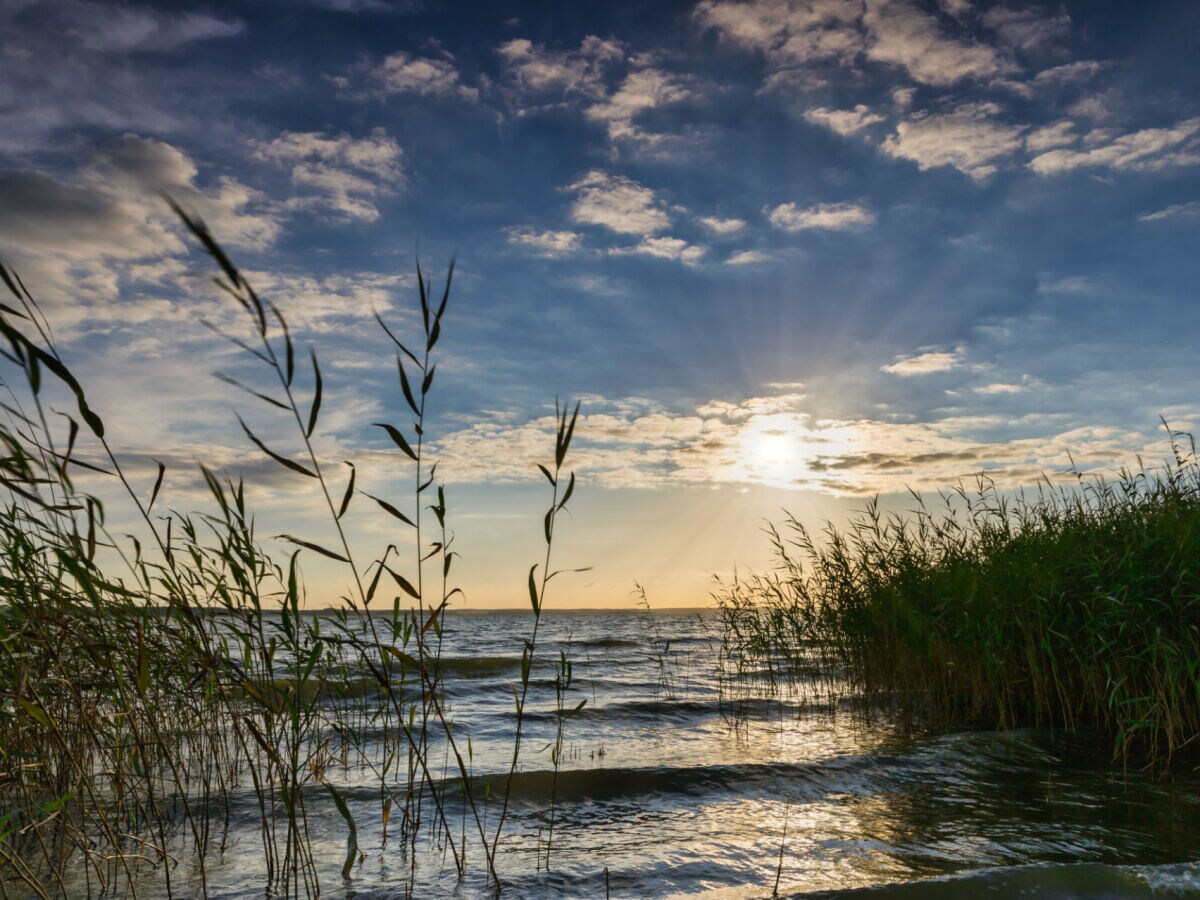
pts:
[676, 781]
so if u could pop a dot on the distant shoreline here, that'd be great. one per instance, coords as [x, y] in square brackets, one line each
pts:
[580, 611]
[510, 610]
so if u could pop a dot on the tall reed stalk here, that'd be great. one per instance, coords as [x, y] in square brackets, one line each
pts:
[148, 681]
[1077, 606]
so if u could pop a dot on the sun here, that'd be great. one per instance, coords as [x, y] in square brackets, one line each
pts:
[787, 450]
[771, 450]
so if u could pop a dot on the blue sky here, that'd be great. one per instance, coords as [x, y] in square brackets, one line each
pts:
[789, 255]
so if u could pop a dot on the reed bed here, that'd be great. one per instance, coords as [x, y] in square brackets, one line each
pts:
[1076, 605]
[149, 682]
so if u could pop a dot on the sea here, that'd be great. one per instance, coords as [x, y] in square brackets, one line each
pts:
[679, 771]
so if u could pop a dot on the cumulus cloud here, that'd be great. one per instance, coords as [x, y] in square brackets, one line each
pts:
[84, 236]
[720, 226]
[536, 78]
[402, 73]
[531, 69]
[1027, 29]
[902, 97]
[41, 214]
[664, 248]
[643, 90]
[1057, 134]
[772, 440]
[969, 138]
[319, 302]
[923, 363]
[826, 216]
[958, 9]
[748, 258]
[1000, 388]
[1147, 150]
[1099, 106]
[618, 203]
[112, 208]
[1068, 73]
[544, 243]
[338, 173]
[793, 35]
[788, 32]
[844, 121]
[905, 36]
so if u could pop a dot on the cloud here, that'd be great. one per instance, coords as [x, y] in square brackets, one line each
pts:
[958, 9]
[793, 35]
[748, 258]
[618, 203]
[544, 243]
[1000, 388]
[826, 216]
[1027, 29]
[319, 303]
[664, 248]
[642, 90]
[1065, 284]
[923, 364]
[1052, 81]
[339, 173]
[772, 440]
[82, 238]
[904, 36]
[721, 226]
[385, 7]
[967, 138]
[1176, 209]
[41, 214]
[531, 69]
[1057, 134]
[902, 97]
[844, 121]
[787, 32]
[535, 78]
[112, 208]
[74, 67]
[1068, 73]
[124, 29]
[1099, 106]
[1150, 149]
[401, 73]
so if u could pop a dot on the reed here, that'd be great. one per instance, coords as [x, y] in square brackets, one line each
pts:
[1076, 606]
[147, 682]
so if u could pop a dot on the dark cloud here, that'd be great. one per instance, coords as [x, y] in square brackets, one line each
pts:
[66, 66]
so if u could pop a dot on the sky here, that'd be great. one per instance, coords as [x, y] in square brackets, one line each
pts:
[787, 255]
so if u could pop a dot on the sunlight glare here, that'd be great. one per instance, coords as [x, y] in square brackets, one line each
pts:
[784, 450]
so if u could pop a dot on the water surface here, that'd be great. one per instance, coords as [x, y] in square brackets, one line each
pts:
[678, 781]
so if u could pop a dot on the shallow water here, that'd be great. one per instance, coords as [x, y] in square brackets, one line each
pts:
[664, 792]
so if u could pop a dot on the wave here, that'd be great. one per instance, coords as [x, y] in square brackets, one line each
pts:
[607, 642]
[803, 780]
[1060, 880]
[460, 666]
[477, 666]
[667, 708]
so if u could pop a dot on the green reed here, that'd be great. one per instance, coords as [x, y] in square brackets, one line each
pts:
[144, 679]
[1077, 605]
